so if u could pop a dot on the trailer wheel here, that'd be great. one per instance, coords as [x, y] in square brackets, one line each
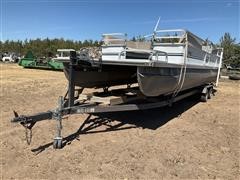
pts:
[57, 144]
[204, 97]
[210, 93]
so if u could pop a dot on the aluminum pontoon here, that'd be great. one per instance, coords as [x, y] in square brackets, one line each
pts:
[172, 65]
[171, 61]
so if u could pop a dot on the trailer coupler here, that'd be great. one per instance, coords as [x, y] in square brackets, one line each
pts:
[33, 118]
[29, 121]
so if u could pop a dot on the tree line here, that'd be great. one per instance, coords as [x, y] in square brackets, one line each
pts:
[44, 47]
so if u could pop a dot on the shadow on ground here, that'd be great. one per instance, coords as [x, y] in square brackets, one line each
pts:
[150, 119]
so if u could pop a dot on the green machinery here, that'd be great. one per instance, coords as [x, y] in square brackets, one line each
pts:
[30, 61]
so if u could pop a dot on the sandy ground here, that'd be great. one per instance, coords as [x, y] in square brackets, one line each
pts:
[189, 140]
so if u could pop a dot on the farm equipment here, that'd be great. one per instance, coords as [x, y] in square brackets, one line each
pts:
[30, 61]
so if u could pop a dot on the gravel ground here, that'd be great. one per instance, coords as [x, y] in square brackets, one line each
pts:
[187, 141]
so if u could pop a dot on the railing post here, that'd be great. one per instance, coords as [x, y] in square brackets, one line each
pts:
[219, 67]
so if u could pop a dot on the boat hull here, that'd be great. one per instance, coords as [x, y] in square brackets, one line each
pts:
[155, 81]
[108, 76]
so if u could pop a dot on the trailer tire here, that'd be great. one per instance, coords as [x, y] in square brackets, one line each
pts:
[209, 93]
[204, 97]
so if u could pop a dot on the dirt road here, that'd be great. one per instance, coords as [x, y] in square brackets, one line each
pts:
[189, 140]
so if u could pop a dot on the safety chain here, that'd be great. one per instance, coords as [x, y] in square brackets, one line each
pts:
[28, 129]
[28, 135]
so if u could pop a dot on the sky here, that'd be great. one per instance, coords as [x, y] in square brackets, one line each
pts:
[88, 19]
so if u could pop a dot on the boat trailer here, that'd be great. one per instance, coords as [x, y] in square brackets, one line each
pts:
[129, 99]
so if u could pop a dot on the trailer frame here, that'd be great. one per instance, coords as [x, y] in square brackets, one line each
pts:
[71, 105]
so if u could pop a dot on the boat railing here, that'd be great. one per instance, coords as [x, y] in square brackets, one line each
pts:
[211, 58]
[122, 53]
[168, 44]
[208, 57]
[175, 36]
[205, 56]
[157, 53]
[171, 30]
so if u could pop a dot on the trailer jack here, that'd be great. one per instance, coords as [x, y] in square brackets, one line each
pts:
[57, 115]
